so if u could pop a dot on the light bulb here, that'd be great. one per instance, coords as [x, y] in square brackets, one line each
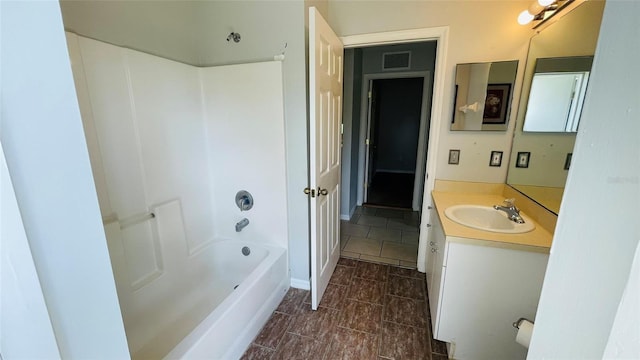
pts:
[524, 18]
[545, 3]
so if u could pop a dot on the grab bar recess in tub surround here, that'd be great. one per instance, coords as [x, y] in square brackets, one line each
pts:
[130, 221]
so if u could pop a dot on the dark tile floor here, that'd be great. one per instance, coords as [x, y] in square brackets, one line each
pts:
[369, 311]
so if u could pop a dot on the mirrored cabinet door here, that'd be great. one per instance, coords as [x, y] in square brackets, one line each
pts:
[483, 95]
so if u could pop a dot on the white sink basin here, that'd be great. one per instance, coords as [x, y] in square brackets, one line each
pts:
[487, 218]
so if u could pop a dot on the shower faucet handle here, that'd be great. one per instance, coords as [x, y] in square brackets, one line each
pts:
[244, 200]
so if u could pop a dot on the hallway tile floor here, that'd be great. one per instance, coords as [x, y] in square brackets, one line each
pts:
[369, 311]
[382, 235]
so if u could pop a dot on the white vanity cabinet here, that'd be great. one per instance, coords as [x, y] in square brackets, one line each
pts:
[435, 266]
[477, 290]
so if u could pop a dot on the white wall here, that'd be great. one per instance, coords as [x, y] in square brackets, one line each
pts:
[479, 32]
[245, 129]
[596, 235]
[150, 134]
[25, 326]
[46, 154]
[624, 338]
[163, 28]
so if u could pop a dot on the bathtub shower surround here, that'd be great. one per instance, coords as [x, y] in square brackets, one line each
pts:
[243, 105]
[177, 142]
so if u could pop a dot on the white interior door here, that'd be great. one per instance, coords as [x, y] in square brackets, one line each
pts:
[325, 102]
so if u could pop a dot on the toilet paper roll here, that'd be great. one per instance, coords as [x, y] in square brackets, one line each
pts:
[524, 333]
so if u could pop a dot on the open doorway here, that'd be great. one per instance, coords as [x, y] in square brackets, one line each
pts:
[386, 117]
[392, 143]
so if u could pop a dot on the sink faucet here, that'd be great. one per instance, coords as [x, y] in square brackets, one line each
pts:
[513, 213]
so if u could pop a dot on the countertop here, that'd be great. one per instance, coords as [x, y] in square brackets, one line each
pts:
[538, 240]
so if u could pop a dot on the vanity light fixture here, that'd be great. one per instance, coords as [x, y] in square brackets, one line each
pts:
[542, 10]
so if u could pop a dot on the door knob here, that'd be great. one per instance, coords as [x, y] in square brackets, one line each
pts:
[311, 192]
[322, 192]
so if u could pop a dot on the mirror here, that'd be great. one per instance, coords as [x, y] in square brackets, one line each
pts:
[483, 95]
[540, 159]
[557, 94]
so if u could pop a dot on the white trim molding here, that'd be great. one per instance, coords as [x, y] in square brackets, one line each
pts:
[396, 37]
[301, 284]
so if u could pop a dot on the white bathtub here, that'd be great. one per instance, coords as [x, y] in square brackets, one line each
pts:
[260, 281]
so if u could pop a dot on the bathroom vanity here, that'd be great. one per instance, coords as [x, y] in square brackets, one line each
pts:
[480, 282]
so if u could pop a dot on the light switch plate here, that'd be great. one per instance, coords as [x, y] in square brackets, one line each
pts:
[454, 157]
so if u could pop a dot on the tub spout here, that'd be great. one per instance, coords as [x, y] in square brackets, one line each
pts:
[242, 224]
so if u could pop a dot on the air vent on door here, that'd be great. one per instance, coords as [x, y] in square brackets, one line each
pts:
[396, 60]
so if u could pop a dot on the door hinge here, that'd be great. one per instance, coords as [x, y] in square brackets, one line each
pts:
[341, 128]
[366, 142]
[369, 94]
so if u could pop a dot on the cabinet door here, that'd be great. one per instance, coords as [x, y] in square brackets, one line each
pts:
[430, 254]
[486, 290]
[437, 250]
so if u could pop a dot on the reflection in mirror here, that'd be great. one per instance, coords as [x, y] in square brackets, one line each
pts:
[544, 176]
[483, 95]
[557, 94]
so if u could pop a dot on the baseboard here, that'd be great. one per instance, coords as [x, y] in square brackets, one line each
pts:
[351, 212]
[300, 284]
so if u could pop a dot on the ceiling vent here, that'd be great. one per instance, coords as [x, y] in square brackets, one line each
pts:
[396, 60]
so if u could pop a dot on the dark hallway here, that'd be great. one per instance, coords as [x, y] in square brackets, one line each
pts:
[391, 189]
[394, 131]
